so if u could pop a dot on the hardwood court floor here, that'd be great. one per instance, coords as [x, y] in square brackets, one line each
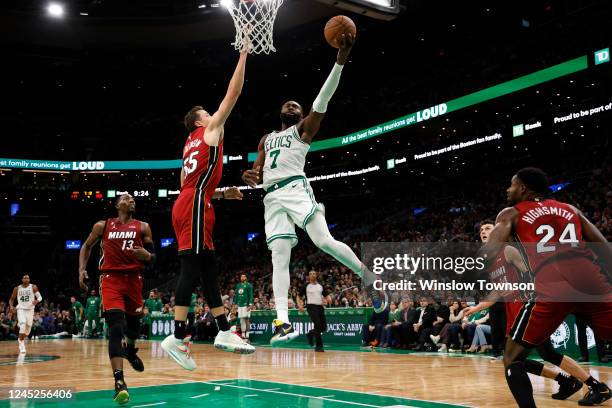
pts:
[269, 378]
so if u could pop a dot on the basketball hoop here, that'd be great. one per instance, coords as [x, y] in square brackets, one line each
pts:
[254, 23]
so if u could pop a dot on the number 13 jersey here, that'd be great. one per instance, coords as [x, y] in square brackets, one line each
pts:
[117, 240]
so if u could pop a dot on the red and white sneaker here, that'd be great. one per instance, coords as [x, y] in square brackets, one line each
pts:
[180, 351]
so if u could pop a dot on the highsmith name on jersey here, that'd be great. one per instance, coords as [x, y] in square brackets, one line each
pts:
[285, 156]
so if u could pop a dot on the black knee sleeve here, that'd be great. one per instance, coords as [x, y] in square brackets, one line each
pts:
[520, 386]
[115, 319]
[188, 279]
[548, 353]
[534, 367]
[133, 326]
[209, 279]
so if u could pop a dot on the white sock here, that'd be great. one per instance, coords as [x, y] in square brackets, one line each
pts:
[281, 255]
[319, 234]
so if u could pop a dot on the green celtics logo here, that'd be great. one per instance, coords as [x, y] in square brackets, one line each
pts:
[11, 359]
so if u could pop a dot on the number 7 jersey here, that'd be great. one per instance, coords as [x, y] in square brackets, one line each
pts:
[285, 153]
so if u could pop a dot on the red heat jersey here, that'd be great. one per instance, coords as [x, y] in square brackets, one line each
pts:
[117, 239]
[203, 164]
[503, 271]
[549, 231]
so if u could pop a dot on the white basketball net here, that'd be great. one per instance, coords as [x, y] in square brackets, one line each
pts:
[254, 23]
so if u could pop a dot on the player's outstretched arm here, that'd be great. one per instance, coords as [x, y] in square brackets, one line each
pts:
[214, 132]
[254, 176]
[309, 127]
[94, 236]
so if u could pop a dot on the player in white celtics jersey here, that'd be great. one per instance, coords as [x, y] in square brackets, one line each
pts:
[28, 296]
[289, 199]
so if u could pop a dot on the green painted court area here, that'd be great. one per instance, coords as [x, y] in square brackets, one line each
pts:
[236, 393]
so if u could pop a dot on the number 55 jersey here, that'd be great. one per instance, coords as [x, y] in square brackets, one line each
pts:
[193, 215]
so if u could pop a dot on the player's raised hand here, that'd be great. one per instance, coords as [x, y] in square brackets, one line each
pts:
[247, 44]
[140, 253]
[82, 277]
[232, 193]
[251, 177]
[346, 41]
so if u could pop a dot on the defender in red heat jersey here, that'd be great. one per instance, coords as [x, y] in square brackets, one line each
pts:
[193, 219]
[126, 244]
[509, 267]
[567, 280]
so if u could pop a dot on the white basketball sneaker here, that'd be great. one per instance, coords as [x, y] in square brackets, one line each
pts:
[180, 351]
[22, 348]
[231, 342]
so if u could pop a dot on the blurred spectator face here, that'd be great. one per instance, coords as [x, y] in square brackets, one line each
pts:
[393, 306]
[206, 309]
[243, 278]
[152, 295]
[464, 304]
[145, 311]
[200, 300]
[72, 299]
[423, 302]
[455, 305]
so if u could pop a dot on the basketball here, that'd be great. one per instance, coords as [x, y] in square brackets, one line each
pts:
[337, 26]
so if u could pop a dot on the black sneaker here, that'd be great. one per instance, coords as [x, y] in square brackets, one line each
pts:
[379, 302]
[283, 332]
[129, 353]
[319, 349]
[568, 386]
[310, 336]
[122, 396]
[597, 395]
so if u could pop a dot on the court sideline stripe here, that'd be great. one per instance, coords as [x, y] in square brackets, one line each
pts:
[299, 395]
[149, 405]
[357, 392]
[199, 396]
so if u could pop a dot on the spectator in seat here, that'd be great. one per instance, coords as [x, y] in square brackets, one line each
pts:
[206, 326]
[424, 324]
[394, 315]
[403, 331]
[371, 333]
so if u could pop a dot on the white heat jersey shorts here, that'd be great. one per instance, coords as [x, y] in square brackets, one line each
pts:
[287, 206]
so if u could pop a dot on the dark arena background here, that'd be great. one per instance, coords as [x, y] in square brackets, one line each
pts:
[438, 106]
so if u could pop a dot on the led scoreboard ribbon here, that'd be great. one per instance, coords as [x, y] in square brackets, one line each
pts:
[496, 91]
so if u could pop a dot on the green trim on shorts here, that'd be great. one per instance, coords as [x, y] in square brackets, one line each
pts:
[273, 237]
[314, 206]
[283, 183]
